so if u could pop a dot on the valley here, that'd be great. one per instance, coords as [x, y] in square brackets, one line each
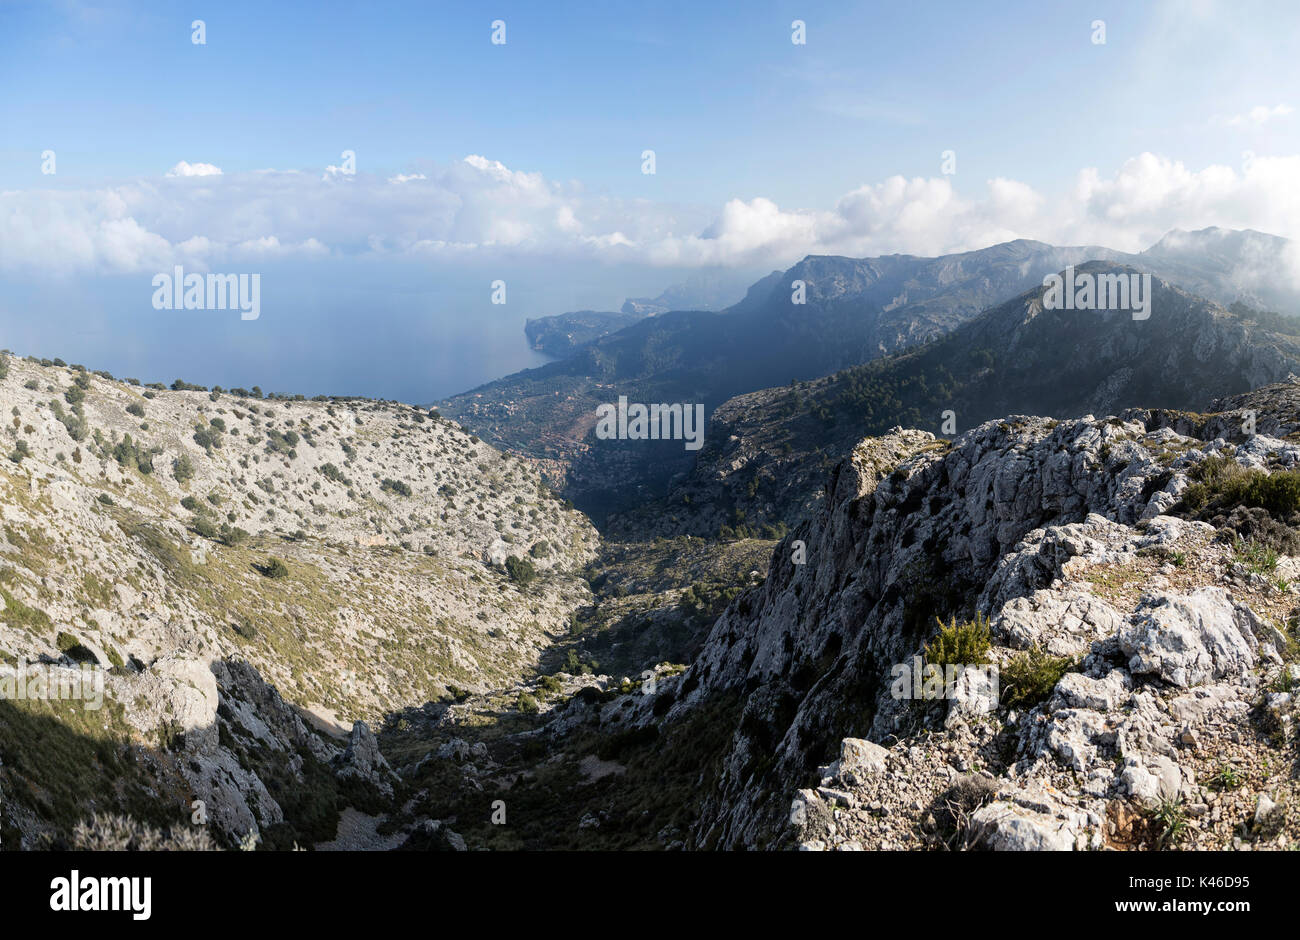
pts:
[341, 623]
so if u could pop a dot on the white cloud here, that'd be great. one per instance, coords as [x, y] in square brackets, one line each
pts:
[1258, 115]
[480, 207]
[194, 169]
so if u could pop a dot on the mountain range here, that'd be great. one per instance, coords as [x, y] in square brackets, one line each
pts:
[849, 312]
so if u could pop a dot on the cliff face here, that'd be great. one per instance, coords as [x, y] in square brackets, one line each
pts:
[1137, 652]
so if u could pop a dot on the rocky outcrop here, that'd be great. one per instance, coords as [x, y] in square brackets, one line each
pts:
[1059, 533]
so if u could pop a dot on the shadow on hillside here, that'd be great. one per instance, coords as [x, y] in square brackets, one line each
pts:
[62, 762]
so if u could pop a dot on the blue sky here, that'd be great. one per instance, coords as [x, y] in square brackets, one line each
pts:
[731, 106]
[523, 161]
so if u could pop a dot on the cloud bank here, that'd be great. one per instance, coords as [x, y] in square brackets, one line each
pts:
[199, 216]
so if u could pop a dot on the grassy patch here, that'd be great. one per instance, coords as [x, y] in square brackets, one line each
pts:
[1222, 483]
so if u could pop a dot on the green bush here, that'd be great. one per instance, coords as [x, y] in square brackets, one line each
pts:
[73, 648]
[135, 408]
[333, 474]
[183, 468]
[1222, 483]
[525, 704]
[274, 568]
[396, 486]
[205, 527]
[1030, 677]
[520, 570]
[207, 439]
[233, 535]
[549, 684]
[130, 455]
[964, 644]
[1257, 557]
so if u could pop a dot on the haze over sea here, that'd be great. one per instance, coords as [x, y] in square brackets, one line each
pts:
[367, 327]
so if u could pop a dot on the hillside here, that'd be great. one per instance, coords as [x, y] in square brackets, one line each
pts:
[564, 334]
[1132, 583]
[250, 577]
[768, 451]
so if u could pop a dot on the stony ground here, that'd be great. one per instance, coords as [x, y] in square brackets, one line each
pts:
[258, 582]
[351, 554]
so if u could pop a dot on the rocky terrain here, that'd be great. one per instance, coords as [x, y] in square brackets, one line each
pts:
[252, 581]
[1149, 658]
[352, 624]
[1129, 576]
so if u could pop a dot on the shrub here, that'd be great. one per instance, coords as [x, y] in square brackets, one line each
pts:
[135, 408]
[207, 439]
[130, 455]
[396, 486]
[964, 644]
[233, 535]
[274, 568]
[525, 704]
[1222, 483]
[73, 648]
[183, 468]
[520, 570]
[1030, 677]
[1257, 557]
[550, 684]
[333, 474]
[205, 527]
[698, 600]
[106, 832]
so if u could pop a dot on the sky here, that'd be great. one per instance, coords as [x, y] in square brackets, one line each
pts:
[381, 165]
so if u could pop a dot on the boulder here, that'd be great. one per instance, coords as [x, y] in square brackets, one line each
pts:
[1190, 639]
